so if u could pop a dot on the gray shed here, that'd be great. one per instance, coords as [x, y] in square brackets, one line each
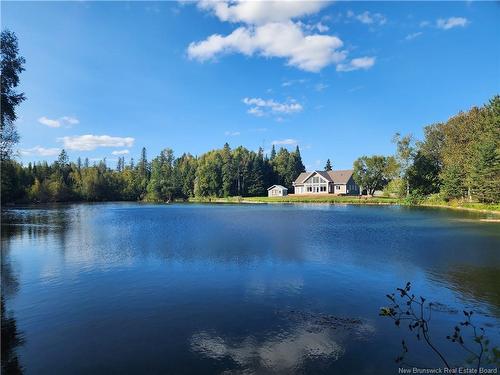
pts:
[277, 191]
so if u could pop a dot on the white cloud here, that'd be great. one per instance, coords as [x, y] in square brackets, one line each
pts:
[57, 123]
[40, 151]
[285, 142]
[356, 64]
[413, 35]
[261, 12]
[260, 107]
[70, 120]
[48, 122]
[268, 31]
[120, 152]
[232, 134]
[451, 22]
[256, 111]
[320, 87]
[90, 142]
[284, 40]
[368, 18]
[424, 23]
[321, 27]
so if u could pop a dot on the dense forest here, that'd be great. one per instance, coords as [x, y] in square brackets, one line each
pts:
[217, 173]
[457, 160]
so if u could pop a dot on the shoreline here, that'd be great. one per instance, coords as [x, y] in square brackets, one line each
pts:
[374, 201]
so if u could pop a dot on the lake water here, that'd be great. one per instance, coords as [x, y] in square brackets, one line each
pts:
[120, 288]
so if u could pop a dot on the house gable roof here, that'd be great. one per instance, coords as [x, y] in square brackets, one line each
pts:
[325, 175]
[277, 186]
[341, 177]
[302, 177]
[338, 177]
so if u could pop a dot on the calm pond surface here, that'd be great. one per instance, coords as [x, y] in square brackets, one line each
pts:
[194, 289]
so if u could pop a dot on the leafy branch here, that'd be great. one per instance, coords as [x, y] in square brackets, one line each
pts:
[417, 313]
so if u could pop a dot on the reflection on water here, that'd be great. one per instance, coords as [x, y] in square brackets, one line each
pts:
[310, 338]
[474, 283]
[236, 288]
[281, 353]
[11, 337]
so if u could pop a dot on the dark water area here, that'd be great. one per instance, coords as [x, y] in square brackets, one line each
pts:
[125, 288]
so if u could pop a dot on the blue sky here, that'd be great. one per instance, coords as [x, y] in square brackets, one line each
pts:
[104, 79]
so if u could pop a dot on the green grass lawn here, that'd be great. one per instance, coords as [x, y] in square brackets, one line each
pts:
[495, 208]
[324, 199]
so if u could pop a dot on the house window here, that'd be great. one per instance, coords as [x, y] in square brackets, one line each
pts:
[323, 188]
[309, 188]
[337, 187]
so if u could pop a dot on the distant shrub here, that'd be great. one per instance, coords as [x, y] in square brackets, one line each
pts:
[415, 198]
[395, 188]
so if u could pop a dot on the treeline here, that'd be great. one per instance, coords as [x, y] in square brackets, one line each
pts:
[458, 159]
[217, 173]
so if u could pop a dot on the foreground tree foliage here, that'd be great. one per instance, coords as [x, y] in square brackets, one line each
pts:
[217, 173]
[11, 66]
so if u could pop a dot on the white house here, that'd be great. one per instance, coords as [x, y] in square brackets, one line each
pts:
[277, 191]
[326, 182]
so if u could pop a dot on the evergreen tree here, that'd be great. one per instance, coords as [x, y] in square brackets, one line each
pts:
[298, 165]
[454, 185]
[63, 159]
[161, 186]
[144, 173]
[283, 167]
[185, 174]
[486, 173]
[273, 153]
[256, 180]
[11, 66]
[143, 165]
[328, 166]
[227, 171]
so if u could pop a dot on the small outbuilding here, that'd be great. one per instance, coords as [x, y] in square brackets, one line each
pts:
[277, 191]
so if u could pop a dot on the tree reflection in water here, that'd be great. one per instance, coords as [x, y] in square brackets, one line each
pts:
[478, 283]
[11, 337]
